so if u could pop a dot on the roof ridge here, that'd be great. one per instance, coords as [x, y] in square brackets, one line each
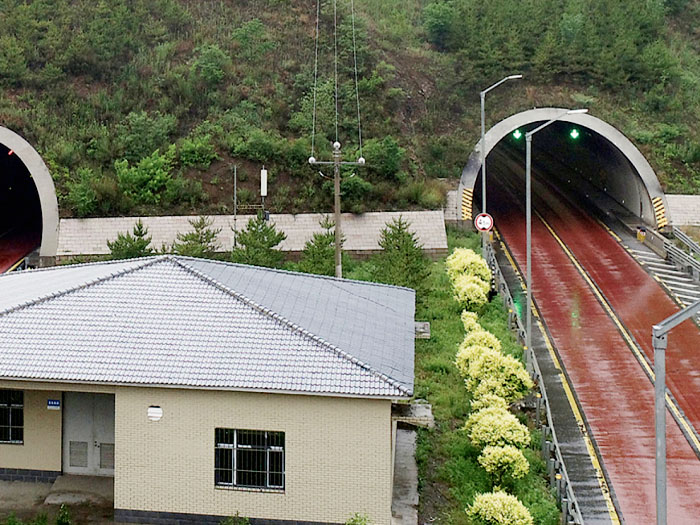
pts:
[77, 265]
[284, 321]
[147, 261]
[293, 272]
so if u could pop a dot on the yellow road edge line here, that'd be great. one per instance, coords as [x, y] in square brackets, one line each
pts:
[14, 266]
[592, 452]
[626, 335]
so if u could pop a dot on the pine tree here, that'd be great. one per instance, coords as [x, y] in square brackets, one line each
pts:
[256, 243]
[318, 255]
[401, 261]
[128, 246]
[201, 242]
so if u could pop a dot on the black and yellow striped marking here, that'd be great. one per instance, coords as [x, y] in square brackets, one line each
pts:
[467, 197]
[659, 212]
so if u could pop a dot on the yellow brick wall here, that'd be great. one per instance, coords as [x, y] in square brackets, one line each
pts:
[42, 435]
[338, 454]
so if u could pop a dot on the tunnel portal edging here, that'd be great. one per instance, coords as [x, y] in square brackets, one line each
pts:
[45, 188]
[506, 126]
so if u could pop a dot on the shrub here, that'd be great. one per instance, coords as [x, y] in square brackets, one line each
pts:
[358, 519]
[384, 157]
[498, 508]
[197, 151]
[235, 520]
[470, 320]
[128, 246]
[210, 64]
[256, 243]
[482, 338]
[496, 373]
[144, 182]
[81, 193]
[465, 355]
[504, 464]
[141, 134]
[63, 517]
[355, 191]
[438, 18]
[489, 401]
[496, 427]
[401, 261]
[466, 261]
[470, 291]
[198, 243]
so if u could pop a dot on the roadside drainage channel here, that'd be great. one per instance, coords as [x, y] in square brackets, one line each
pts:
[581, 490]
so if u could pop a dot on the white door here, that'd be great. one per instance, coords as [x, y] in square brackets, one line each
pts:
[88, 434]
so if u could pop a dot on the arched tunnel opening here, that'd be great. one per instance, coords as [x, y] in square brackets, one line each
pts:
[21, 220]
[574, 161]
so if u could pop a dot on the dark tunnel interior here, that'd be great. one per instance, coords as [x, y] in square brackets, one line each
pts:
[578, 161]
[20, 207]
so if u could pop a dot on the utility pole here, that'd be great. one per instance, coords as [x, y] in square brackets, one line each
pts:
[337, 162]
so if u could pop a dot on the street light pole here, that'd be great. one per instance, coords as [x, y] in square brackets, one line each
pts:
[528, 222]
[483, 135]
[659, 340]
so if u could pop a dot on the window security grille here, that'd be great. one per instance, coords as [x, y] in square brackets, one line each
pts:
[249, 458]
[11, 416]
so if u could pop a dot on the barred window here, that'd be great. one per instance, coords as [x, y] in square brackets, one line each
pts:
[11, 416]
[249, 458]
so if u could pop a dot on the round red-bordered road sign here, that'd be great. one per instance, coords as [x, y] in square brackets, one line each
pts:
[483, 222]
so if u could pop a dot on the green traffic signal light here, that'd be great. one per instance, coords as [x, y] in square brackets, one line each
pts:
[574, 133]
[517, 134]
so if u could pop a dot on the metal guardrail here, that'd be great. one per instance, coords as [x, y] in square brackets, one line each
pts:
[673, 253]
[690, 243]
[551, 450]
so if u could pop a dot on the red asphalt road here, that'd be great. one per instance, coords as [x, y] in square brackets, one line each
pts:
[635, 296]
[615, 394]
[14, 246]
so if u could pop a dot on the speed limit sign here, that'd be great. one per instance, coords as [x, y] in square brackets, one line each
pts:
[483, 222]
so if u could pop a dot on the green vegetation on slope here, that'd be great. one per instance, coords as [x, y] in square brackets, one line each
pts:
[449, 473]
[100, 87]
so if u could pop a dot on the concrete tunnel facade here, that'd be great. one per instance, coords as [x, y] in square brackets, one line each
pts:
[45, 190]
[614, 165]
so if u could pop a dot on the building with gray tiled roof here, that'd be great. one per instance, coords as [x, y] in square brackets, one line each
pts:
[206, 388]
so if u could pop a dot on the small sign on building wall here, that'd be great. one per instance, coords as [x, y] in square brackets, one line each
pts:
[53, 404]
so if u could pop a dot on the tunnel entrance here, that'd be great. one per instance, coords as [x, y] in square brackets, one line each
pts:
[581, 155]
[28, 205]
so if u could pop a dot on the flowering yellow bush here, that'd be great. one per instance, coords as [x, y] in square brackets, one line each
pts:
[488, 400]
[465, 261]
[497, 427]
[498, 508]
[470, 291]
[465, 355]
[504, 463]
[482, 338]
[492, 372]
[470, 320]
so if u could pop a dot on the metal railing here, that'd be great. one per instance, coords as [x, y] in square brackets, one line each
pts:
[689, 243]
[551, 450]
[683, 260]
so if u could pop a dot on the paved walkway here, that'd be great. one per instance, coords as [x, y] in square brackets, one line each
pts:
[362, 232]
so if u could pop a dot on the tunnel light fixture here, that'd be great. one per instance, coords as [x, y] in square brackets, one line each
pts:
[577, 111]
[517, 134]
[574, 133]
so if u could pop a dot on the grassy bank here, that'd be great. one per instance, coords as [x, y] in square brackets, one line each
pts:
[449, 474]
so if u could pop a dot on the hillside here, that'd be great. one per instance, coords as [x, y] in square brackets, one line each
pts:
[143, 106]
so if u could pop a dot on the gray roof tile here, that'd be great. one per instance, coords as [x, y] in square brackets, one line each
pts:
[190, 322]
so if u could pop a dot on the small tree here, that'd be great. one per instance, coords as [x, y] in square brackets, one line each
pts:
[129, 246]
[256, 244]
[318, 255]
[401, 261]
[198, 243]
